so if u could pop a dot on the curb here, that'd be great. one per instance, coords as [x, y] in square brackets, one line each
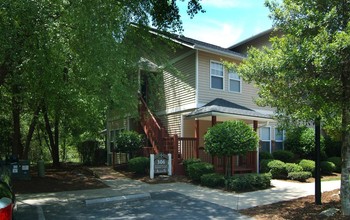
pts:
[118, 198]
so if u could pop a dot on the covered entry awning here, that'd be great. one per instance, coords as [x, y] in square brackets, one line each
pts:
[226, 109]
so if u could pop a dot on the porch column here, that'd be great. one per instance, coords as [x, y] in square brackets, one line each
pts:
[196, 135]
[213, 159]
[213, 120]
[255, 125]
[256, 157]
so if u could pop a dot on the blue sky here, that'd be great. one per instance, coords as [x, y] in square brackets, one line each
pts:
[226, 22]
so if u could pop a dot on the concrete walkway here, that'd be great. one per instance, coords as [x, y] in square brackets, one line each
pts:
[125, 188]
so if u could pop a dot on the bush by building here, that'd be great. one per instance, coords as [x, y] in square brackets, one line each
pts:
[263, 155]
[284, 156]
[327, 167]
[293, 167]
[263, 165]
[139, 165]
[213, 180]
[248, 182]
[188, 162]
[301, 176]
[277, 169]
[196, 170]
[308, 165]
[337, 163]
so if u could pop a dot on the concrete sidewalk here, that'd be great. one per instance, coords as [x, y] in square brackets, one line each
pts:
[125, 188]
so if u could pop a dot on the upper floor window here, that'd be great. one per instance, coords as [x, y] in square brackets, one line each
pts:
[216, 75]
[234, 82]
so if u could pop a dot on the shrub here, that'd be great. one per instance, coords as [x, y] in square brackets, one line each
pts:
[284, 156]
[188, 162]
[196, 170]
[293, 167]
[327, 167]
[337, 163]
[128, 142]
[277, 169]
[301, 141]
[332, 146]
[301, 176]
[213, 180]
[249, 182]
[139, 165]
[308, 165]
[263, 155]
[263, 165]
[86, 150]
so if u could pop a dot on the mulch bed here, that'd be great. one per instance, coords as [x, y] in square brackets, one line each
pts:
[65, 178]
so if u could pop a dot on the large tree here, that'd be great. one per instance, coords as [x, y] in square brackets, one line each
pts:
[63, 63]
[305, 73]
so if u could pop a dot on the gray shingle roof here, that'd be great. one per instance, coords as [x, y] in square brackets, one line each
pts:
[223, 106]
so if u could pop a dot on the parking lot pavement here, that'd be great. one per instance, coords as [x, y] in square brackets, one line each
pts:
[161, 205]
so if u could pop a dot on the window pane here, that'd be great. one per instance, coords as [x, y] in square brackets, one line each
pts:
[265, 133]
[234, 76]
[278, 135]
[216, 69]
[217, 82]
[265, 146]
[278, 145]
[235, 86]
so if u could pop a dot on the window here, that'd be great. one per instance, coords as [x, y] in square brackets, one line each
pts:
[279, 138]
[234, 82]
[265, 137]
[216, 75]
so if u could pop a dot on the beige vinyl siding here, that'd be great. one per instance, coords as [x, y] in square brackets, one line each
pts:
[172, 123]
[179, 88]
[206, 94]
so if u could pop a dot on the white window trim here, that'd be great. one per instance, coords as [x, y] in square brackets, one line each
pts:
[223, 75]
[229, 85]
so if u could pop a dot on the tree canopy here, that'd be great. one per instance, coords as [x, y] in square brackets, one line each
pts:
[64, 63]
[305, 73]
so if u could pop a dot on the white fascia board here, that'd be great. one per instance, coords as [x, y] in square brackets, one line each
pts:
[218, 52]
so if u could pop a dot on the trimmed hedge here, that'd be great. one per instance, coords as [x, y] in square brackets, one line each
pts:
[187, 162]
[139, 165]
[337, 163]
[196, 170]
[293, 167]
[263, 165]
[299, 176]
[277, 169]
[327, 167]
[284, 156]
[248, 182]
[308, 165]
[263, 155]
[213, 180]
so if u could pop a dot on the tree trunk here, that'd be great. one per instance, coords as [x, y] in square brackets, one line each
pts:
[53, 145]
[3, 73]
[31, 132]
[345, 183]
[16, 138]
[55, 148]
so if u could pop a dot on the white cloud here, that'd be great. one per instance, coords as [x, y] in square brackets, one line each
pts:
[222, 34]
